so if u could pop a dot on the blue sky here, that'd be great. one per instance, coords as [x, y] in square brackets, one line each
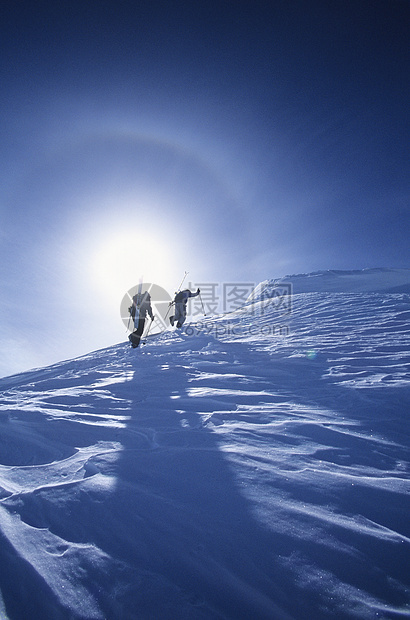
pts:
[236, 140]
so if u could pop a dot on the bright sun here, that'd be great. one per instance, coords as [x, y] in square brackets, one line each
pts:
[120, 260]
[112, 252]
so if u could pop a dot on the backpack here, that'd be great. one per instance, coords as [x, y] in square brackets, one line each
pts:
[141, 298]
[179, 297]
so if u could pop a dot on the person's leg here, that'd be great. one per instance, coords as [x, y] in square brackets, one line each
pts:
[181, 315]
[177, 315]
[135, 337]
[140, 328]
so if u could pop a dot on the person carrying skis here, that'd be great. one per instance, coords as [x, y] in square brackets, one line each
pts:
[141, 305]
[180, 301]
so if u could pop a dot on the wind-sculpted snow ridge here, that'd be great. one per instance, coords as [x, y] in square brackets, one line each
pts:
[234, 473]
[356, 281]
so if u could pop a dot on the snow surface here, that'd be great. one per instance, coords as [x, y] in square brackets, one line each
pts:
[234, 473]
[358, 281]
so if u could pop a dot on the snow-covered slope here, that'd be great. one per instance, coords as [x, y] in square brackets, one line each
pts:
[363, 280]
[233, 473]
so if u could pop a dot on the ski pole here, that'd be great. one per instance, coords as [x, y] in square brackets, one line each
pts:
[149, 327]
[171, 303]
[128, 324]
[203, 307]
[183, 279]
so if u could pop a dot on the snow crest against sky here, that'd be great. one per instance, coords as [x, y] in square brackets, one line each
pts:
[238, 141]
